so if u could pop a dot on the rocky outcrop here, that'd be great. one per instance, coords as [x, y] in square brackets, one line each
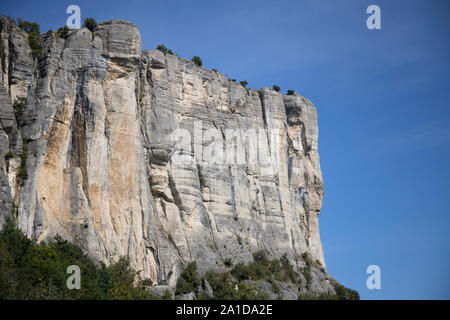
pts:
[129, 152]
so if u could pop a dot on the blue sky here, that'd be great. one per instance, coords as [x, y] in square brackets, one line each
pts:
[384, 117]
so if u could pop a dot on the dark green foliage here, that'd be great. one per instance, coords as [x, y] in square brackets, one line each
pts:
[228, 262]
[155, 192]
[118, 282]
[197, 61]
[287, 272]
[264, 269]
[23, 172]
[215, 70]
[233, 80]
[63, 32]
[275, 288]
[162, 48]
[290, 92]
[28, 26]
[188, 280]
[90, 23]
[19, 108]
[222, 285]
[9, 155]
[306, 272]
[35, 43]
[32, 28]
[307, 258]
[276, 88]
[225, 287]
[323, 296]
[344, 293]
[167, 295]
[38, 271]
[244, 83]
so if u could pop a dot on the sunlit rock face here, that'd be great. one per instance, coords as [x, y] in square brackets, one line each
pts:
[135, 153]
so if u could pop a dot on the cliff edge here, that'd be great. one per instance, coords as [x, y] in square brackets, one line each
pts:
[128, 152]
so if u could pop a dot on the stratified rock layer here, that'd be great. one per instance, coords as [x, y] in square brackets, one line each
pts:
[104, 170]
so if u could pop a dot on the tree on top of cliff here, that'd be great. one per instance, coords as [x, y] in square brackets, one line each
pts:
[162, 48]
[197, 61]
[290, 92]
[32, 28]
[28, 26]
[90, 23]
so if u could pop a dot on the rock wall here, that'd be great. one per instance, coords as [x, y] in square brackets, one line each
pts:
[118, 145]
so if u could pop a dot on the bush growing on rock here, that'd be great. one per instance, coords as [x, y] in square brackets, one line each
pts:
[197, 60]
[63, 32]
[27, 26]
[90, 23]
[38, 271]
[188, 280]
[162, 48]
[32, 28]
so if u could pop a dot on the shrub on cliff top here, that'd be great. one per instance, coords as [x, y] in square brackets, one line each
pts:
[197, 61]
[32, 28]
[63, 32]
[162, 48]
[90, 23]
[28, 26]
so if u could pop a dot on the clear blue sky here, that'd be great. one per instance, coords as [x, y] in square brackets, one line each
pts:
[383, 101]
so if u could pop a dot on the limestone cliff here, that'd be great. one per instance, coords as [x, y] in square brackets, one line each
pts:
[87, 151]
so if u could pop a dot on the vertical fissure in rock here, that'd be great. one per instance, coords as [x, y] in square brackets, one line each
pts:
[233, 196]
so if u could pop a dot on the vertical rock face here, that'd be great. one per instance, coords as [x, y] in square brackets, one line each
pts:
[134, 153]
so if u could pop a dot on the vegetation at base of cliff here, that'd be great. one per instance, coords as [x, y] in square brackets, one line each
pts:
[90, 23]
[264, 269]
[235, 283]
[38, 271]
[226, 287]
[32, 28]
[188, 280]
[342, 293]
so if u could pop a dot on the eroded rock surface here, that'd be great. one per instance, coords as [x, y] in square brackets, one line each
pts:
[103, 169]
